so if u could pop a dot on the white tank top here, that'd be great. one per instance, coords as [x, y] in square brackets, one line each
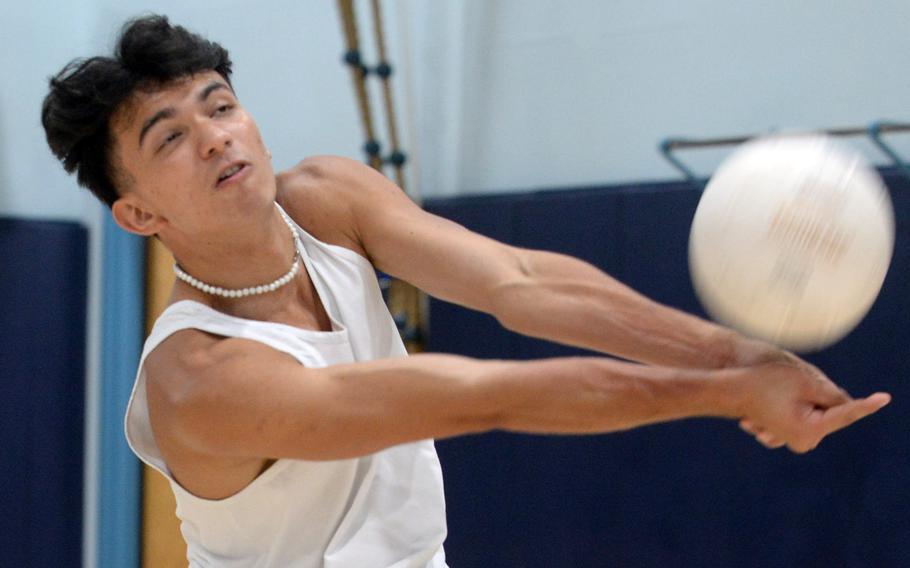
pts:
[380, 510]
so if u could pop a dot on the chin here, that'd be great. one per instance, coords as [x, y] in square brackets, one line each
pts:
[261, 198]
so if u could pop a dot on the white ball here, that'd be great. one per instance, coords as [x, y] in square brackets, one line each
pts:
[791, 241]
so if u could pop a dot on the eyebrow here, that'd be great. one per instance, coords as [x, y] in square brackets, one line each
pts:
[169, 111]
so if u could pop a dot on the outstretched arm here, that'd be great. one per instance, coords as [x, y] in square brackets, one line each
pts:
[237, 398]
[541, 294]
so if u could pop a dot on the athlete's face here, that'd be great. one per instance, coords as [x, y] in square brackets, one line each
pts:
[177, 152]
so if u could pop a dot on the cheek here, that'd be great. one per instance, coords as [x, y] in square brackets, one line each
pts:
[178, 166]
[251, 131]
[171, 179]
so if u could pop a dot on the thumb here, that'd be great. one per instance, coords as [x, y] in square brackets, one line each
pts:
[841, 416]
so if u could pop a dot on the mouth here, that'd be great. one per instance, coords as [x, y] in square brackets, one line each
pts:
[232, 173]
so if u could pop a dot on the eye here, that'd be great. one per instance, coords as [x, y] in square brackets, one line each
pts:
[223, 108]
[170, 138]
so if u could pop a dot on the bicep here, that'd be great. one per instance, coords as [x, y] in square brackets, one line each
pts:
[435, 254]
[351, 204]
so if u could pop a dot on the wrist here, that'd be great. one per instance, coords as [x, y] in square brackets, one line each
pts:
[686, 393]
[732, 394]
[727, 348]
[742, 351]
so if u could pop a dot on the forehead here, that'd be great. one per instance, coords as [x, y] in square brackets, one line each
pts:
[147, 100]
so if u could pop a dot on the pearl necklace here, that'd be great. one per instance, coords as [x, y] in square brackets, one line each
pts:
[252, 290]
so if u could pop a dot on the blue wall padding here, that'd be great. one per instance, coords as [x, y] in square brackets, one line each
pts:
[43, 290]
[694, 493]
[120, 477]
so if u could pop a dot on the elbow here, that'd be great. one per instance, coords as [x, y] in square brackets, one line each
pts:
[510, 297]
[502, 300]
[494, 392]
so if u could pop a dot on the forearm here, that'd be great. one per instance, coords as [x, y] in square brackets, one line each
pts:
[433, 396]
[596, 395]
[569, 301]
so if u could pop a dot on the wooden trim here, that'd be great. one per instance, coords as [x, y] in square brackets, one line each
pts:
[162, 543]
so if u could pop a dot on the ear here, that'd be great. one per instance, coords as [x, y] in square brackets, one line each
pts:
[134, 218]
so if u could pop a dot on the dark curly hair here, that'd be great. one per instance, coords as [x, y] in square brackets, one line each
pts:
[86, 93]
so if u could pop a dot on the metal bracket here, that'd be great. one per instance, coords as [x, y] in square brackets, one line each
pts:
[874, 131]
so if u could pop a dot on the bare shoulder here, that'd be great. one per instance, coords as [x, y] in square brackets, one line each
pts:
[190, 358]
[174, 371]
[330, 170]
[193, 380]
[178, 365]
[324, 193]
[193, 369]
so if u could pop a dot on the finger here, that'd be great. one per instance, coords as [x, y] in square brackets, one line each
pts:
[843, 415]
[769, 441]
[748, 426]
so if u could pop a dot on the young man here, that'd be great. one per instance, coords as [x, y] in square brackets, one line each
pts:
[274, 392]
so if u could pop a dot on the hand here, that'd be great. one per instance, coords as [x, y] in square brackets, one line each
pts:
[791, 403]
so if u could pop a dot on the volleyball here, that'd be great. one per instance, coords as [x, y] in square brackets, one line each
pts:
[791, 241]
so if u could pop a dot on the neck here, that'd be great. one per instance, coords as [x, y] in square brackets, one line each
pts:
[254, 254]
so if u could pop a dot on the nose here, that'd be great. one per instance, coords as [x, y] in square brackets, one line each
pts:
[213, 140]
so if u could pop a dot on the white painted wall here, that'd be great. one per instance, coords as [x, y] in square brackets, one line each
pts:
[567, 93]
[496, 96]
[37, 38]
